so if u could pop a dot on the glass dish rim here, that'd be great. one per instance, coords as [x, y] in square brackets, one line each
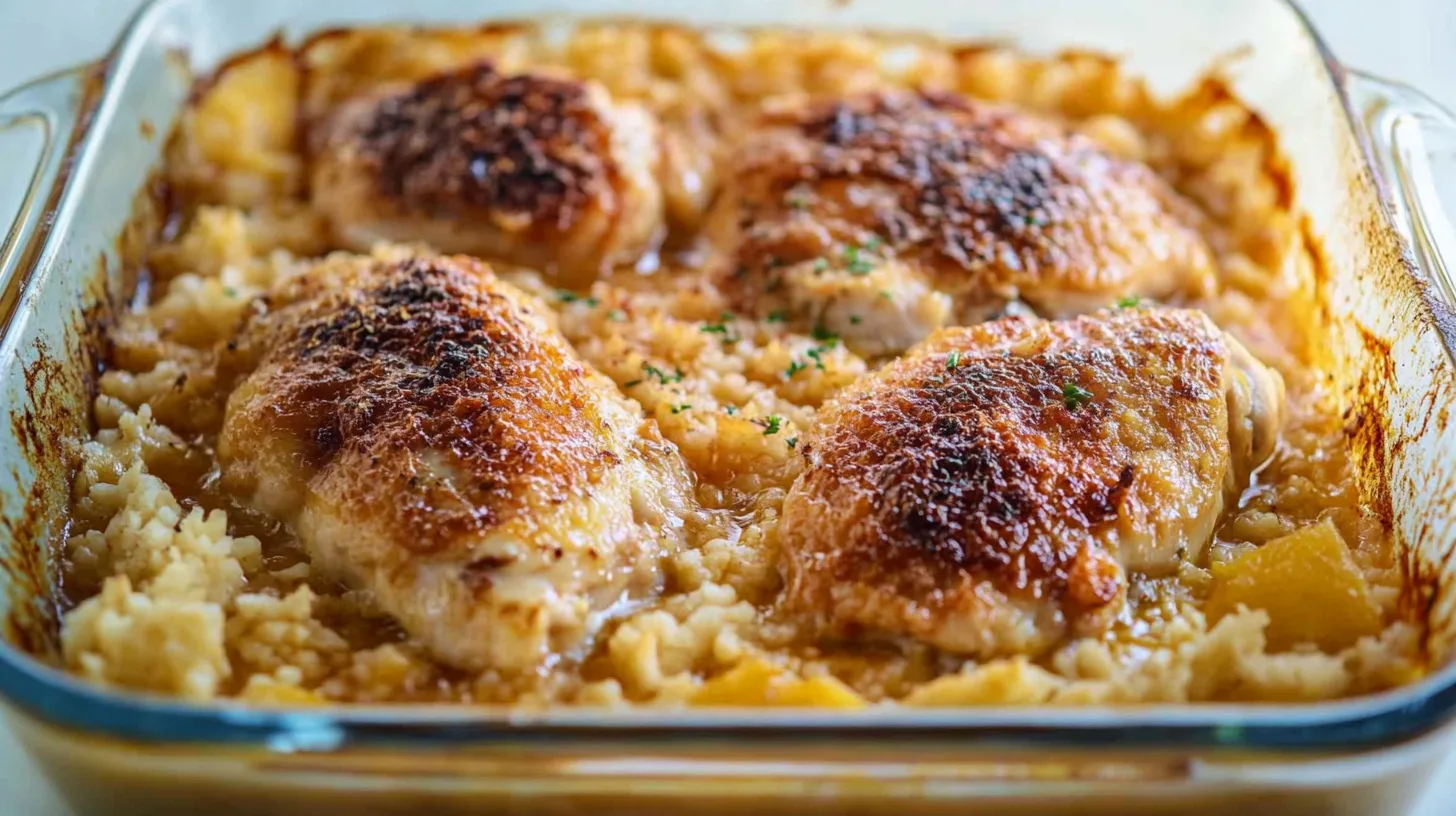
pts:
[1345, 726]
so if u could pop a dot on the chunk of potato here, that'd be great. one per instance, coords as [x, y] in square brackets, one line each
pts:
[1001, 682]
[245, 128]
[1308, 584]
[261, 690]
[760, 683]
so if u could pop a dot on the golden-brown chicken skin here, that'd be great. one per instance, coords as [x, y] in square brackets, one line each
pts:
[888, 215]
[528, 169]
[989, 492]
[432, 440]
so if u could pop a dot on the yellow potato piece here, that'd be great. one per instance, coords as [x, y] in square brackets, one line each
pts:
[1010, 682]
[280, 694]
[759, 683]
[1308, 584]
[248, 120]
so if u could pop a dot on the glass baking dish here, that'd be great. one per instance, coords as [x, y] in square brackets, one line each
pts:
[1366, 158]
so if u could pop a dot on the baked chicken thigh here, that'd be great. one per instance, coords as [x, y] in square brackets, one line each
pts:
[528, 169]
[432, 440]
[989, 492]
[888, 215]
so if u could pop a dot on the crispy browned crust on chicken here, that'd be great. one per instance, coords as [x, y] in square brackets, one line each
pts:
[419, 355]
[988, 492]
[527, 168]
[960, 206]
[432, 439]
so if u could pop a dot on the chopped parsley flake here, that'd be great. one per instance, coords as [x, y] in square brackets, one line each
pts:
[730, 410]
[777, 317]
[772, 425]
[678, 409]
[1129, 302]
[793, 442]
[617, 316]
[814, 354]
[952, 360]
[856, 264]
[794, 368]
[722, 327]
[873, 243]
[854, 320]
[572, 297]
[1075, 396]
[229, 291]
[662, 376]
[821, 264]
[824, 335]
[798, 201]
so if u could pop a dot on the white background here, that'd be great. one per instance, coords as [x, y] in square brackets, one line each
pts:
[1409, 40]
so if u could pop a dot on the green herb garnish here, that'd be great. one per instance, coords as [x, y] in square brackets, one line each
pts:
[1075, 396]
[856, 264]
[777, 317]
[952, 360]
[617, 316]
[677, 409]
[793, 442]
[721, 327]
[662, 376]
[794, 368]
[572, 297]
[772, 426]
[814, 355]
[1129, 302]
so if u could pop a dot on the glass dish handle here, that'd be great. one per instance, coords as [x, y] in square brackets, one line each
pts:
[50, 104]
[1412, 138]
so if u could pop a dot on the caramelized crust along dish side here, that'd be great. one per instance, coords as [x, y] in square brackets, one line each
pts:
[642, 367]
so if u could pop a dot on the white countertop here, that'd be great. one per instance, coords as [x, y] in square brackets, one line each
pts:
[1410, 40]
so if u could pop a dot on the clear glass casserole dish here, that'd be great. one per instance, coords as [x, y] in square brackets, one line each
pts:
[1359, 150]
